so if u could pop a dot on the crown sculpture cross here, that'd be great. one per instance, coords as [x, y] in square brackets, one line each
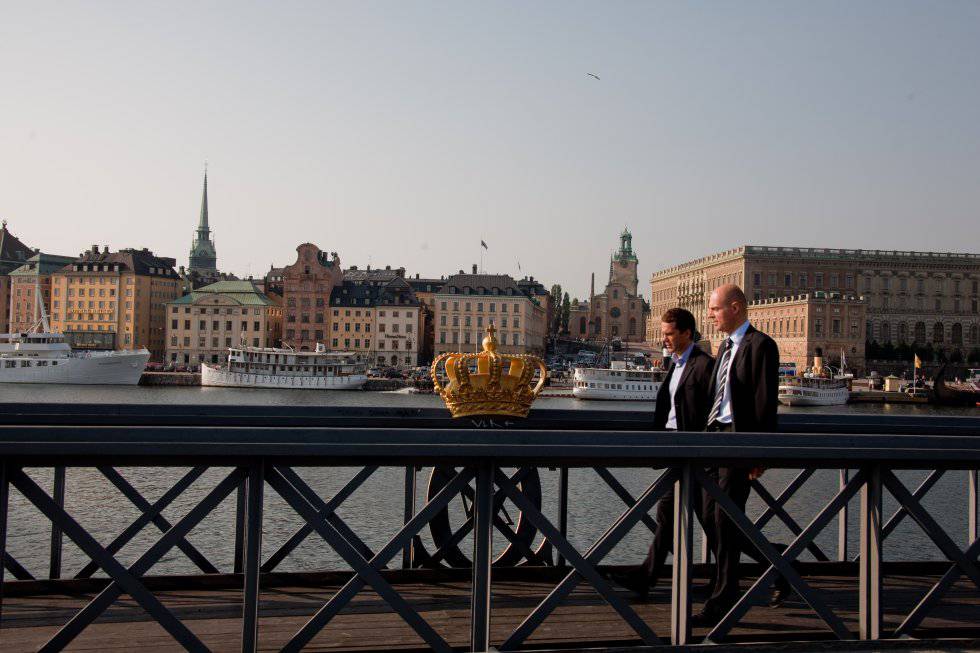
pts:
[492, 390]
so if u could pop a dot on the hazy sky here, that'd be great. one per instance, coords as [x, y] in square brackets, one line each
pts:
[403, 133]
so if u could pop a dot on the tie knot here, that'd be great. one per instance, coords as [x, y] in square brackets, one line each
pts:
[729, 342]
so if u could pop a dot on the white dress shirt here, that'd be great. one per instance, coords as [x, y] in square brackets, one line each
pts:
[675, 380]
[725, 412]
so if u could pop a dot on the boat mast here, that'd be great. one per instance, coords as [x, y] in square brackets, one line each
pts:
[39, 307]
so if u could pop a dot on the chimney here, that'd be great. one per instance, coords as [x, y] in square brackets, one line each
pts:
[105, 249]
[474, 268]
[416, 275]
[95, 249]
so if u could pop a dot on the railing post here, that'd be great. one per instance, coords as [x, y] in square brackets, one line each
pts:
[842, 520]
[54, 566]
[409, 512]
[4, 496]
[869, 599]
[562, 507]
[680, 600]
[482, 559]
[971, 520]
[239, 528]
[253, 555]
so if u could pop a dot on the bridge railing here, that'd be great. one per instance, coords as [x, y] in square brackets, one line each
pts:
[489, 462]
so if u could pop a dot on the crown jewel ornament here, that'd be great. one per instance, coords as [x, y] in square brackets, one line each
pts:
[492, 390]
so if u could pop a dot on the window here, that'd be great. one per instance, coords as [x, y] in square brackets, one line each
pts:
[788, 280]
[803, 280]
[756, 278]
[819, 280]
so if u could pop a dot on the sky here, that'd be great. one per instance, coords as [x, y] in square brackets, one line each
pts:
[404, 133]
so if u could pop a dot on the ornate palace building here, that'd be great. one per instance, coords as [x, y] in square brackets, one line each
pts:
[909, 297]
[619, 312]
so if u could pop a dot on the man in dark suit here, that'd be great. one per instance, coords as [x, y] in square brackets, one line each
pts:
[744, 397]
[683, 403]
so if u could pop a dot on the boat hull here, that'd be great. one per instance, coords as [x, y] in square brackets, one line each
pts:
[796, 396]
[114, 368]
[217, 377]
[615, 395]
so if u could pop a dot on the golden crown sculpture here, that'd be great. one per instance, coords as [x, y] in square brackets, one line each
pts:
[489, 391]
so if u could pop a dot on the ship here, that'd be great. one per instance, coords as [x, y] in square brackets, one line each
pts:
[40, 356]
[274, 367]
[819, 386]
[617, 383]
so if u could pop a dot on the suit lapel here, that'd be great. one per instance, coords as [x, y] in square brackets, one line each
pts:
[743, 347]
[687, 367]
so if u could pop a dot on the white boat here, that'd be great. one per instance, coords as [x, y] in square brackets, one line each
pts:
[813, 391]
[39, 356]
[271, 367]
[616, 383]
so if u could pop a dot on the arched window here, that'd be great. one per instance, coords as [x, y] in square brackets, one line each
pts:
[975, 335]
[632, 326]
[869, 331]
[956, 335]
[903, 333]
[886, 333]
[582, 325]
[937, 333]
[920, 333]
[598, 325]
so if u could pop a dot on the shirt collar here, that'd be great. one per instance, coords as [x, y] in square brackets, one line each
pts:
[682, 359]
[739, 333]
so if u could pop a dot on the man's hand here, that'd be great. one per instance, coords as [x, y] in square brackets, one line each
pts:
[756, 472]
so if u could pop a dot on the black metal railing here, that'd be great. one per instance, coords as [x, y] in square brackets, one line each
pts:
[488, 462]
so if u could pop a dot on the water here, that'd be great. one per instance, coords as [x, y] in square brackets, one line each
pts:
[374, 512]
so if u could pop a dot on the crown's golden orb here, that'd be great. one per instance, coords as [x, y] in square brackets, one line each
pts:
[500, 386]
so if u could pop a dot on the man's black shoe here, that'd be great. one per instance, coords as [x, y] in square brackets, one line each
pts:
[635, 581]
[781, 594]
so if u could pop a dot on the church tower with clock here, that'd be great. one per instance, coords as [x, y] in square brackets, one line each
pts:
[622, 267]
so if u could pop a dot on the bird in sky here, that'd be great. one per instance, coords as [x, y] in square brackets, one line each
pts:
[593, 75]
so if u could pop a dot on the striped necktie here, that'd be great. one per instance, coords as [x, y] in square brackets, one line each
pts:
[721, 381]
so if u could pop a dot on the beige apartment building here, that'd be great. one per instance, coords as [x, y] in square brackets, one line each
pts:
[375, 316]
[425, 290]
[202, 325]
[468, 303]
[307, 287]
[114, 300]
[25, 283]
[909, 297]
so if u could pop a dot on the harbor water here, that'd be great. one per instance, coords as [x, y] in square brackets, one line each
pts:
[374, 511]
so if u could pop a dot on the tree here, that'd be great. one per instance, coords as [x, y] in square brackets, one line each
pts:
[974, 356]
[566, 312]
[556, 295]
[956, 356]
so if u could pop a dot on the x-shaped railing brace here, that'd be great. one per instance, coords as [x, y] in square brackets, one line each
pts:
[624, 495]
[124, 580]
[902, 512]
[963, 561]
[366, 571]
[328, 509]
[151, 513]
[775, 508]
[779, 563]
[584, 566]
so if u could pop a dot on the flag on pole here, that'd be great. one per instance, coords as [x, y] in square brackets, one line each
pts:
[483, 245]
[918, 362]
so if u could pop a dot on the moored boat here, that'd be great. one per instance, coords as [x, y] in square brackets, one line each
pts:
[616, 383]
[272, 367]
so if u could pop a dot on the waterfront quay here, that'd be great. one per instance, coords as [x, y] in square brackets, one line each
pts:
[476, 557]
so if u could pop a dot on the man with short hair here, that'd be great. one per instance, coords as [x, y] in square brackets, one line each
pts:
[683, 403]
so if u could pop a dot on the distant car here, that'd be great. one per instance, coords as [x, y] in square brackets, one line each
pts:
[154, 367]
[392, 373]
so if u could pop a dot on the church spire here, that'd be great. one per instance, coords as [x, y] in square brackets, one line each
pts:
[202, 227]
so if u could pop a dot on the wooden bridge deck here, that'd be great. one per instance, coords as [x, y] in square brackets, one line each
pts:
[367, 623]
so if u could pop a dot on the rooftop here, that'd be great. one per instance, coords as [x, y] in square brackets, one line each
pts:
[246, 293]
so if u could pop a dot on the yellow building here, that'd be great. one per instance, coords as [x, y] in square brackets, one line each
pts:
[114, 300]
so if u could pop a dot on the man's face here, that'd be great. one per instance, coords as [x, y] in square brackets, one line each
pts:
[723, 312]
[674, 340]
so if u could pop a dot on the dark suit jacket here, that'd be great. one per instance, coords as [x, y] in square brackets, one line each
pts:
[691, 401]
[755, 382]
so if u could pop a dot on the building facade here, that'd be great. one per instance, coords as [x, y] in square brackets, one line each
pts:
[819, 323]
[619, 311]
[202, 325]
[114, 300]
[307, 287]
[468, 303]
[25, 283]
[13, 254]
[913, 298]
[425, 291]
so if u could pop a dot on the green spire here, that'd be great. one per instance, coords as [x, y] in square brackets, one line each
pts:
[202, 227]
